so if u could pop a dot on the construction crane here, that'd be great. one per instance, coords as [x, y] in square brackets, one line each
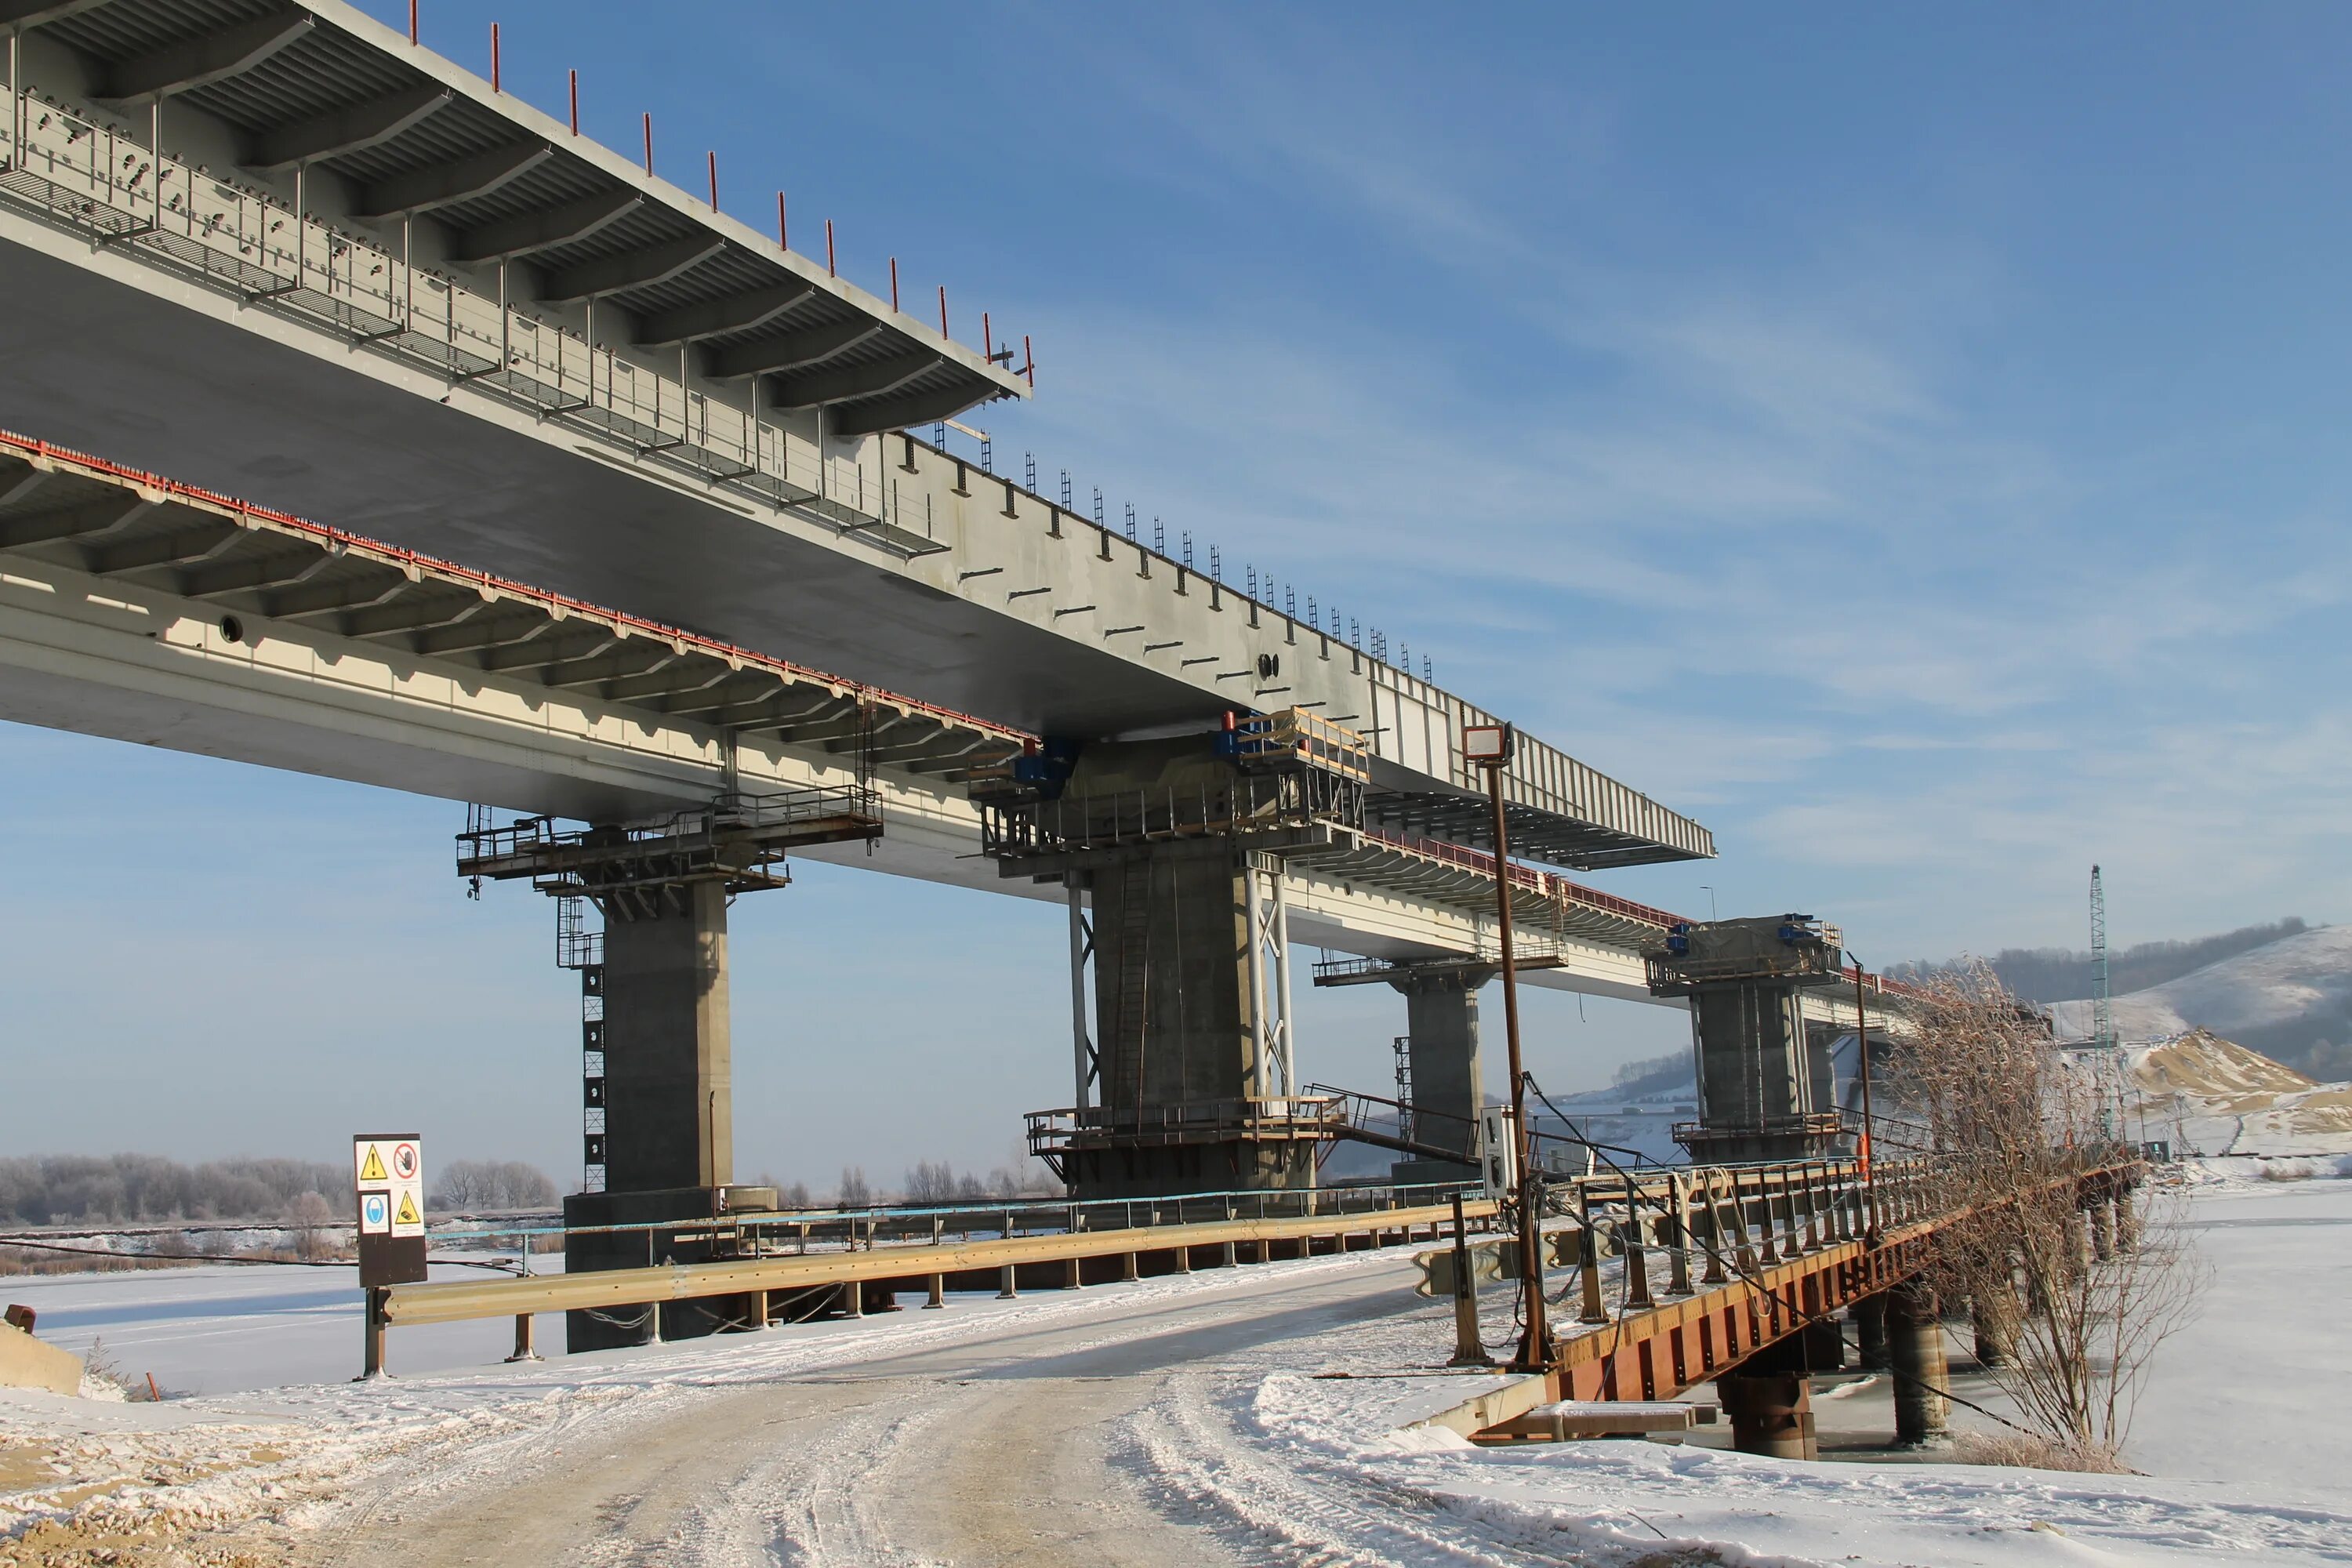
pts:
[2107, 1059]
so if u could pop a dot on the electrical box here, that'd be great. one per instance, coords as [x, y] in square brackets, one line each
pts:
[1498, 1152]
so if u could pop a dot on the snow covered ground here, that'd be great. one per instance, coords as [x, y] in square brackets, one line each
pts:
[227, 1329]
[1176, 1420]
[2275, 984]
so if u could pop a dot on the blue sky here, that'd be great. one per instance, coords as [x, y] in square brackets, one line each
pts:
[1909, 443]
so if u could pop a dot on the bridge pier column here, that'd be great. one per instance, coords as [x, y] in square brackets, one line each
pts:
[1448, 1089]
[1770, 1403]
[668, 1132]
[1868, 1316]
[1193, 1021]
[1915, 1336]
[2127, 1221]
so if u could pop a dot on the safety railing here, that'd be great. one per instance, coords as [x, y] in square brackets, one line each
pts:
[1276, 1118]
[102, 181]
[1233, 804]
[760, 1290]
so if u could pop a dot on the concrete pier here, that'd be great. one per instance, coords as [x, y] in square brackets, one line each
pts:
[669, 1105]
[1869, 1319]
[1191, 1076]
[1914, 1335]
[1448, 1091]
[1769, 1402]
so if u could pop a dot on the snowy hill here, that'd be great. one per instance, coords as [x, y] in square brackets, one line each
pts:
[2211, 1096]
[2289, 999]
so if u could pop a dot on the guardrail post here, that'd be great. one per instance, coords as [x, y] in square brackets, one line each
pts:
[1637, 1260]
[1711, 1208]
[1678, 1239]
[1469, 1349]
[938, 1294]
[371, 1335]
[523, 1350]
[1008, 1285]
[1588, 1257]
[1129, 1266]
[853, 1298]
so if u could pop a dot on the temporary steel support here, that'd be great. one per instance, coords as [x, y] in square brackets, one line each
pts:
[1269, 973]
[1087, 1061]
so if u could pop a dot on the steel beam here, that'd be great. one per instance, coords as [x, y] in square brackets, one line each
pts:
[24, 14]
[442, 184]
[545, 229]
[207, 57]
[896, 413]
[341, 130]
[818, 388]
[735, 313]
[791, 351]
[630, 269]
[90, 520]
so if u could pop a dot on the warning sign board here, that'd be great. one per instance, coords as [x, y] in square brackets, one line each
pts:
[388, 1176]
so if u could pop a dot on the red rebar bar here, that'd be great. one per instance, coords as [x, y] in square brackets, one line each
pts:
[575, 103]
[650, 143]
[494, 58]
[781, 242]
[713, 157]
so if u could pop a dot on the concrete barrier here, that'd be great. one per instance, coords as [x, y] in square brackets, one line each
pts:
[26, 1363]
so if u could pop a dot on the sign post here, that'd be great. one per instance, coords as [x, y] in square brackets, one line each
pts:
[388, 1182]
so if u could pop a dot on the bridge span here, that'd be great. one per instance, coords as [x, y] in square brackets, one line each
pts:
[280, 250]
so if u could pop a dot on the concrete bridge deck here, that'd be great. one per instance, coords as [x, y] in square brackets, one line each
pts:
[454, 325]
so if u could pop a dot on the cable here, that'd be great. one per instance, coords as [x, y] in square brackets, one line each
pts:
[250, 1262]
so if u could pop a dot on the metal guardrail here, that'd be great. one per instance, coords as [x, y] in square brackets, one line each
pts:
[851, 1271]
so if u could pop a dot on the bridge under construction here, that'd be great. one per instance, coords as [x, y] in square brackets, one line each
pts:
[547, 487]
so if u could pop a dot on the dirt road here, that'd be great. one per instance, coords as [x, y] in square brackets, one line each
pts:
[1013, 1451]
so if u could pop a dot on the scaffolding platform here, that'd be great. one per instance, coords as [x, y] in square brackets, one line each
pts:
[638, 870]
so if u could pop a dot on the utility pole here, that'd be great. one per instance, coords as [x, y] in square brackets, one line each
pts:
[2105, 1062]
[1490, 746]
[1862, 1048]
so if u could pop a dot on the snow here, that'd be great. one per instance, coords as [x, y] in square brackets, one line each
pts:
[224, 1329]
[2276, 983]
[1253, 1441]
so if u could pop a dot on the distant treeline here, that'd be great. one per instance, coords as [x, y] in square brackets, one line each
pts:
[2057, 974]
[59, 1189]
[1655, 1075]
[133, 1189]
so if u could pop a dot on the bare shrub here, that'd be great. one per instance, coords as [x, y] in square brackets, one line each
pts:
[2032, 1451]
[2076, 1294]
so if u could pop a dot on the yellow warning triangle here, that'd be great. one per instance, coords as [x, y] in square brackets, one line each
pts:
[408, 1215]
[373, 1169]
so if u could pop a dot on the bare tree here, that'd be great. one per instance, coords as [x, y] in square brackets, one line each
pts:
[854, 1193]
[2073, 1280]
[930, 1182]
